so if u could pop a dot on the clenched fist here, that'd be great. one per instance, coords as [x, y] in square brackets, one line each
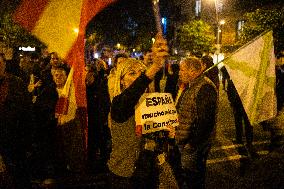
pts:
[159, 54]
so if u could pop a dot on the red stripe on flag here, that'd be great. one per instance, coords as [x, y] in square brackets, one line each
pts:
[62, 106]
[29, 13]
[75, 56]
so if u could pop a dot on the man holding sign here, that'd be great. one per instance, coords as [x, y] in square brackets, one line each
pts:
[197, 108]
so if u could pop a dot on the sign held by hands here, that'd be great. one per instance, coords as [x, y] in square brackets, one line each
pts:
[155, 112]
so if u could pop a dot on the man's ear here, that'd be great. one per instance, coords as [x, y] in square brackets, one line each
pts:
[203, 67]
[198, 73]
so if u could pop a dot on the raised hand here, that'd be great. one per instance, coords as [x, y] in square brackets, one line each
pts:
[159, 50]
[159, 54]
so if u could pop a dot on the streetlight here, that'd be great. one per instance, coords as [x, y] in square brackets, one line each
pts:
[219, 33]
[118, 45]
[76, 30]
[219, 25]
[156, 9]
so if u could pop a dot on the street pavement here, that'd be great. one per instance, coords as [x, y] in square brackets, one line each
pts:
[229, 166]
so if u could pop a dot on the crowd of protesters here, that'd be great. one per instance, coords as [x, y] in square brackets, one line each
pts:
[38, 142]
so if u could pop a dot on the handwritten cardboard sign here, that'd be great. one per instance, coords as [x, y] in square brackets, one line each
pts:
[155, 112]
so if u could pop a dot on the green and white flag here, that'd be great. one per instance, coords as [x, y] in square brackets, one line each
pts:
[252, 70]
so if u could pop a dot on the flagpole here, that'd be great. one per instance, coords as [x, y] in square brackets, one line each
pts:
[156, 9]
[157, 15]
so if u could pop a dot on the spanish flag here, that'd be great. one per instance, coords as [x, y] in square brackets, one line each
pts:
[61, 24]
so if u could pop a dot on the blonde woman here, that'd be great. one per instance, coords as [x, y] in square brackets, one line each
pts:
[131, 81]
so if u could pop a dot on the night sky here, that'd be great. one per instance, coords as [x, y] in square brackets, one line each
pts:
[134, 9]
[124, 15]
[138, 14]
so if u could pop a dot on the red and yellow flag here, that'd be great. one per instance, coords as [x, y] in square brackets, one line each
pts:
[61, 24]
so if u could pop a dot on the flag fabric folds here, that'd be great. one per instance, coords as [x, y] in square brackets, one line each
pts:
[66, 105]
[252, 70]
[61, 24]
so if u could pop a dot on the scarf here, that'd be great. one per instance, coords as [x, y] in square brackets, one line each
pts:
[122, 68]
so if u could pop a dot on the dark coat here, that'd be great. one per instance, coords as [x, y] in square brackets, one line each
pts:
[280, 87]
[197, 108]
[15, 116]
[15, 129]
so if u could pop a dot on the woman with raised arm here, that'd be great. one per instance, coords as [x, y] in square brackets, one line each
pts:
[132, 80]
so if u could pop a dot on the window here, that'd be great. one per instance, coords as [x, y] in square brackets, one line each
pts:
[164, 25]
[219, 5]
[197, 8]
[240, 25]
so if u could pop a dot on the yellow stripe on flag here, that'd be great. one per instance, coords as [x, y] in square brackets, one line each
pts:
[57, 24]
